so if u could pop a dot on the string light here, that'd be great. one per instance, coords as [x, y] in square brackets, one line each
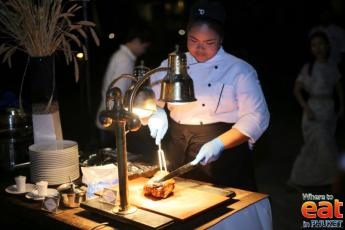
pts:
[111, 36]
[181, 32]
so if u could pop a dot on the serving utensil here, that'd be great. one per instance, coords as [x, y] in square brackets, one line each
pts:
[177, 172]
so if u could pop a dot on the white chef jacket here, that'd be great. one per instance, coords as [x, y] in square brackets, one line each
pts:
[121, 62]
[227, 90]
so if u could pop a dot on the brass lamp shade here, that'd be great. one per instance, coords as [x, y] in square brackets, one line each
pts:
[177, 86]
[177, 90]
[144, 102]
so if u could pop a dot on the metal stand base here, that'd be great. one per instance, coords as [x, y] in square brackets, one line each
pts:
[140, 218]
[129, 210]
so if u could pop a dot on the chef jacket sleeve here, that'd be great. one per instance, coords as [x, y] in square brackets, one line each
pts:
[252, 108]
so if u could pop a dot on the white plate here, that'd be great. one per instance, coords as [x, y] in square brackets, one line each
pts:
[13, 189]
[53, 146]
[33, 195]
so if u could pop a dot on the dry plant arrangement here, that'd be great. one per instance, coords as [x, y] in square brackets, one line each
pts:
[42, 27]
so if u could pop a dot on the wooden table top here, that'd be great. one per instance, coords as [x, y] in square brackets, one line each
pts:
[84, 219]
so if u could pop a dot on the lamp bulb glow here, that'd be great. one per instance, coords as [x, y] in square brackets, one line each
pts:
[80, 55]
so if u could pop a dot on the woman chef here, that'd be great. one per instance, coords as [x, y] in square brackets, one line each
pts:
[229, 113]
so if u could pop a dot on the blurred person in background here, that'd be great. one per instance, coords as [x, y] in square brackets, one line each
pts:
[336, 35]
[315, 166]
[122, 61]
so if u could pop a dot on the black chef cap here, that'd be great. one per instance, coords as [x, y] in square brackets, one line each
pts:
[204, 9]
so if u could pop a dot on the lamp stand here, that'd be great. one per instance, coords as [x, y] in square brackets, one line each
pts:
[121, 153]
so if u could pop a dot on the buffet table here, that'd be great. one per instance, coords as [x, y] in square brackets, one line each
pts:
[256, 216]
[247, 210]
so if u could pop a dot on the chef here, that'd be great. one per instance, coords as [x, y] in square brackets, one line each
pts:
[230, 113]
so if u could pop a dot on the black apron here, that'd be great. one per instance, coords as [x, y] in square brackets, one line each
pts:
[233, 168]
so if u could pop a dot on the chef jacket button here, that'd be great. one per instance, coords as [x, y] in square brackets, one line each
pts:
[209, 84]
[203, 104]
[216, 67]
[187, 67]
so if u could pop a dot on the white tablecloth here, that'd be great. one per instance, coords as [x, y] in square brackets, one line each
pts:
[257, 216]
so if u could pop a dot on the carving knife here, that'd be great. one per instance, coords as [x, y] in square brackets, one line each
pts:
[177, 172]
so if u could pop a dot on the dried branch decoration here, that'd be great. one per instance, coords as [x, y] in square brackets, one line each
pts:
[42, 27]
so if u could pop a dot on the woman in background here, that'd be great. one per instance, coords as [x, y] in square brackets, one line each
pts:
[320, 78]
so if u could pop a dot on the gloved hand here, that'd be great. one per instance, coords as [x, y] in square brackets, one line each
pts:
[209, 152]
[158, 124]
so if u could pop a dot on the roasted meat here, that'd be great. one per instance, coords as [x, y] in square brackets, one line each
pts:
[159, 190]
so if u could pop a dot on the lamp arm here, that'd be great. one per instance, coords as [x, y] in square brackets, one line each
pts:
[121, 77]
[113, 82]
[141, 82]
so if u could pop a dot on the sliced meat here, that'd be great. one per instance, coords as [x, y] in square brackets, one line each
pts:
[159, 190]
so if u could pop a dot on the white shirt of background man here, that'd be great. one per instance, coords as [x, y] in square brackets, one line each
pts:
[121, 62]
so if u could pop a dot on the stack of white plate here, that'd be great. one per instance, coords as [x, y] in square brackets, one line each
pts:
[54, 161]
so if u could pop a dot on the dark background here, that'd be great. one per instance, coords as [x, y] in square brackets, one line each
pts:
[270, 35]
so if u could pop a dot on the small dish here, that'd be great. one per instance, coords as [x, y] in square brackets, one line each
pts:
[12, 189]
[72, 195]
[33, 195]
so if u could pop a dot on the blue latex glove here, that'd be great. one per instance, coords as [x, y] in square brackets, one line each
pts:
[158, 124]
[209, 152]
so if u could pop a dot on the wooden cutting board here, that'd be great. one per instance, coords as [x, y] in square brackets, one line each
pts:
[182, 204]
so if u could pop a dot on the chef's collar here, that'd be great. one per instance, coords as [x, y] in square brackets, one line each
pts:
[191, 60]
[128, 51]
